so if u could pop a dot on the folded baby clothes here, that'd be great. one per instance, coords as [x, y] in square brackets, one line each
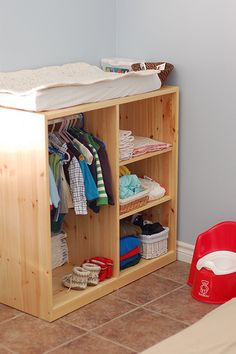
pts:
[126, 144]
[129, 186]
[132, 262]
[127, 228]
[142, 145]
[155, 190]
[129, 260]
[150, 229]
[59, 250]
[128, 243]
[129, 254]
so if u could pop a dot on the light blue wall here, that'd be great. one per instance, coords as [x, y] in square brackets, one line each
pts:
[199, 38]
[35, 33]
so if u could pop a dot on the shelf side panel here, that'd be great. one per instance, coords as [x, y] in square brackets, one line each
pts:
[25, 252]
[97, 234]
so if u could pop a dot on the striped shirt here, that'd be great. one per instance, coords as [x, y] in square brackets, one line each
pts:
[102, 198]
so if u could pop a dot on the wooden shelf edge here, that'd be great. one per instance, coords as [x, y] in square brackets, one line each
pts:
[68, 301]
[145, 156]
[144, 267]
[146, 206]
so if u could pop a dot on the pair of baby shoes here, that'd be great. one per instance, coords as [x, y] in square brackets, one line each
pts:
[80, 277]
[105, 264]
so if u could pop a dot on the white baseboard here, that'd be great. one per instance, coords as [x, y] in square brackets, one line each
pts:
[184, 252]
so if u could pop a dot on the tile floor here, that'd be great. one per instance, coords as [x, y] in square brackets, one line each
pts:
[127, 321]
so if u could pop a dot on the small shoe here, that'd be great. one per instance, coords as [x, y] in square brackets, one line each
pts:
[94, 270]
[77, 280]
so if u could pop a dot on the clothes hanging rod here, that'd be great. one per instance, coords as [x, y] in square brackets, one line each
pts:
[59, 120]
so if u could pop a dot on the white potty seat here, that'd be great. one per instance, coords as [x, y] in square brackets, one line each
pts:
[219, 262]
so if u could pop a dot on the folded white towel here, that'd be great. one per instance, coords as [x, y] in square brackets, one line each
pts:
[125, 133]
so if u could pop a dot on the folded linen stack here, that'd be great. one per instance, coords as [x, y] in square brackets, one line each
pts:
[129, 251]
[142, 145]
[59, 250]
[126, 144]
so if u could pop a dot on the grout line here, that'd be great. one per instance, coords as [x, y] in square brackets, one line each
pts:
[129, 302]
[73, 324]
[113, 319]
[114, 342]
[161, 296]
[62, 344]
[8, 349]
[12, 318]
[101, 325]
[137, 306]
[164, 277]
[167, 316]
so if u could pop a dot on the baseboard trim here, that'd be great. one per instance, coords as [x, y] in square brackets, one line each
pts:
[184, 252]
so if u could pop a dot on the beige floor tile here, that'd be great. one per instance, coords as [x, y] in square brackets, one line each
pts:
[90, 344]
[140, 329]
[98, 312]
[146, 289]
[176, 271]
[6, 313]
[29, 335]
[5, 350]
[181, 306]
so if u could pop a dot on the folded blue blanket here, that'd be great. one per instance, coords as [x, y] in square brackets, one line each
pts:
[130, 260]
[128, 243]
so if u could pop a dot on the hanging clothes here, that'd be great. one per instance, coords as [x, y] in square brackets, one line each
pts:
[54, 195]
[77, 187]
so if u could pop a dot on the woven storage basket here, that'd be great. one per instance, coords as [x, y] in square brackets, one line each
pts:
[125, 208]
[155, 245]
[134, 202]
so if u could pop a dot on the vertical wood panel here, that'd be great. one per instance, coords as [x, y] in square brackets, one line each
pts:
[97, 234]
[25, 263]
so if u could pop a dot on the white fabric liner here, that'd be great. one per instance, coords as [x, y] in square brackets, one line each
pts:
[63, 86]
[220, 262]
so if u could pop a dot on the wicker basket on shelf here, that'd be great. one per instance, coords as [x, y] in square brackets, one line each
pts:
[134, 202]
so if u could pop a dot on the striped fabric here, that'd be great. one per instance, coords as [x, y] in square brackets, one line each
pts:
[102, 199]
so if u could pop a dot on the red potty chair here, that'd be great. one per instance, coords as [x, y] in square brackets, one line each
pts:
[213, 269]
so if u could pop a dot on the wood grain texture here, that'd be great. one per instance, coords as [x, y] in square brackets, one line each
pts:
[25, 263]
[26, 280]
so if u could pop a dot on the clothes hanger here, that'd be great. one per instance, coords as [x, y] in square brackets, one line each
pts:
[65, 131]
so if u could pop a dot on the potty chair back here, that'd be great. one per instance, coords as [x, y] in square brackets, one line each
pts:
[221, 237]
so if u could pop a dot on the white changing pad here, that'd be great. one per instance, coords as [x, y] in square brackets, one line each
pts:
[67, 85]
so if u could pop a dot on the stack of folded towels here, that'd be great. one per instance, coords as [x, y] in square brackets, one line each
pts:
[126, 144]
[129, 244]
[142, 145]
[59, 250]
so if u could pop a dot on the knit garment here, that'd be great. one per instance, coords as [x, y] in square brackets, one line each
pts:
[131, 263]
[131, 253]
[130, 259]
[102, 199]
[128, 243]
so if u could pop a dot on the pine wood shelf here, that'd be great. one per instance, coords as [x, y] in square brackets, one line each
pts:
[149, 205]
[27, 281]
[144, 156]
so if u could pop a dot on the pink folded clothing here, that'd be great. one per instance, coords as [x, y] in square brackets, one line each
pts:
[125, 144]
[142, 145]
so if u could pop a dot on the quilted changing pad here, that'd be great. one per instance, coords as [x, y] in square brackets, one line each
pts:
[56, 87]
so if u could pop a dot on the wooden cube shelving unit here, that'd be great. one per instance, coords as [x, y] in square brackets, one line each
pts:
[27, 281]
